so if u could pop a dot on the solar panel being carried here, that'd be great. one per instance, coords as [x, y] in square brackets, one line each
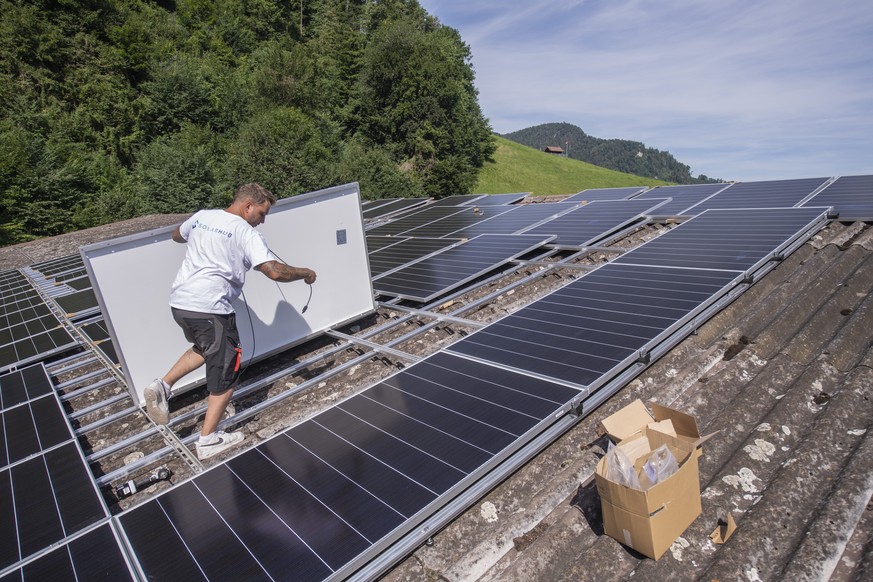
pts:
[683, 197]
[593, 194]
[851, 197]
[770, 194]
[587, 224]
[446, 270]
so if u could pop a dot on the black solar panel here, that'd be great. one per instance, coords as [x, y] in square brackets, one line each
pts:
[516, 220]
[98, 333]
[415, 219]
[597, 325]
[453, 267]
[850, 196]
[47, 493]
[587, 224]
[404, 252]
[770, 194]
[393, 206]
[497, 199]
[735, 240]
[79, 283]
[456, 200]
[78, 304]
[324, 497]
[29, 330]
[683, 197]
[95, 555]
[593, 194]
[371, 204]
[377, 243]
[459, 221]
[59, 265]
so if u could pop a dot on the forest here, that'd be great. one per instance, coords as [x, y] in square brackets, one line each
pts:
[113, 109]
[622, 155]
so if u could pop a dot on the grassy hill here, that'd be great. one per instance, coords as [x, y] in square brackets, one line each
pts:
[518, 168]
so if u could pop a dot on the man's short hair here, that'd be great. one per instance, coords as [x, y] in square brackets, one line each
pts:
[254, 192]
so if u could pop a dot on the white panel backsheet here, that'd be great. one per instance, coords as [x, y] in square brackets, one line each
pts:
[322, 230]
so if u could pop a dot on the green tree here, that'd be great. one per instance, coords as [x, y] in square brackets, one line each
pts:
[375, 172]
[181, 172]
[417, 98]
[285, 150]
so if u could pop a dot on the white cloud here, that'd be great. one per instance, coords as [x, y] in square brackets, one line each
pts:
[739, 90]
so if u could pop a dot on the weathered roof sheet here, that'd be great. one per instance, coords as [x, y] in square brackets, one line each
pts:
[784, 374]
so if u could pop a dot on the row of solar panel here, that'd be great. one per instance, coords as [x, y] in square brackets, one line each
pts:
[412, 422]
[850, 196]
[471, 244]
[48, 496]
[327, 495]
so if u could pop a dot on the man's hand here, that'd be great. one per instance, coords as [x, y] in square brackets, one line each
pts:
[286, 273]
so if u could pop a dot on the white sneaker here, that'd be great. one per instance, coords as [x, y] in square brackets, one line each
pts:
[223, 441]
[157, 406]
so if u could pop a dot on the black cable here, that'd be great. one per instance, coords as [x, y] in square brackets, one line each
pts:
[251, 321]
[254, 341]
[305, 307]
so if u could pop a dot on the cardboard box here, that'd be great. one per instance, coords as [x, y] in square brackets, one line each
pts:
[650, 521]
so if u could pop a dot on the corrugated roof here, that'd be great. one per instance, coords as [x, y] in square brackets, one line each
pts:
[784, 375]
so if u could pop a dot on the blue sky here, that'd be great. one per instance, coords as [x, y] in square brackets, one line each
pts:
[737, 89]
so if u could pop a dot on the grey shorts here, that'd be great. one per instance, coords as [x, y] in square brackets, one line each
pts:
[216, 338]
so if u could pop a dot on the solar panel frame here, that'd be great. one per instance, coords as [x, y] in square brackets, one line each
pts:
[439, 273]
[850, 196]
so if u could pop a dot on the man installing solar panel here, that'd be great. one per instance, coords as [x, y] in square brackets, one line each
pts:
[222, 246]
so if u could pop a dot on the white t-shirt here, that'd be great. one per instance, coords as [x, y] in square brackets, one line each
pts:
[222, 247]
